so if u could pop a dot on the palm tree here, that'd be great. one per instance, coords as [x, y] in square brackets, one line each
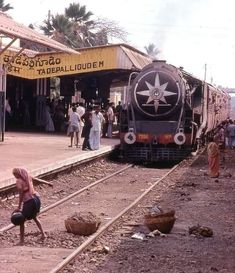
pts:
[4, 7]
[152, 50]
[58, 27]
[78, 13]
[58, 23]
[83, 26]
[76, 29]
[72, 28]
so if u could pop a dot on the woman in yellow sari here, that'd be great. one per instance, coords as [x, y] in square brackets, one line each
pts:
[213, 158]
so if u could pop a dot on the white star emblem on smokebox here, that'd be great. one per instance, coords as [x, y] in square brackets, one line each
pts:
[156, 93]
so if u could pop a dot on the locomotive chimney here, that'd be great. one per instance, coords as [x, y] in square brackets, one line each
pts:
[159, 61]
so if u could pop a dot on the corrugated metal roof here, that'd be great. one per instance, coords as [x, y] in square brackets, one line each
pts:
[27, 52]
[137, 58]
[13, 29]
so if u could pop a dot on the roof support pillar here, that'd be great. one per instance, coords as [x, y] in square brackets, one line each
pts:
[2, 101]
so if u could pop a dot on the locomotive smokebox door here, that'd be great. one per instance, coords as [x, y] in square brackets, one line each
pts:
[158, 90]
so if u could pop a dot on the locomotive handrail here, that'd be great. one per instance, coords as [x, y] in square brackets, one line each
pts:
[195, 125]
[128, 86]
[130, 104]
[133, 117]
[204, 122]
[181, 113]
[193, 90]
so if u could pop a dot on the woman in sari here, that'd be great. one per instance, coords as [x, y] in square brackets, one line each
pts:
[213, 158]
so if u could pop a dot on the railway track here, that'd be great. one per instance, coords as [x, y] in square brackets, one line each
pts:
[94, 237]
[74, 201]
[10, 191]
[72, 195]
[117, 200]
[61, 184]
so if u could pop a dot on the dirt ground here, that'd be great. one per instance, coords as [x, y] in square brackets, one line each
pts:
[197, 200]
[64, 184]
[105, 201]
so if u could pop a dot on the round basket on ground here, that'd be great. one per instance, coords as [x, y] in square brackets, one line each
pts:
[163, 222]
[83, 224]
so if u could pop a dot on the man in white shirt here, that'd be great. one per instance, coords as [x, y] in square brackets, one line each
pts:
[74, 126]
[95, 133]
[70, 111]
[110, 115]
[81, 112]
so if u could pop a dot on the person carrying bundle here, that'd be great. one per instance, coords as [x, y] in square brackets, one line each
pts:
[29, 202]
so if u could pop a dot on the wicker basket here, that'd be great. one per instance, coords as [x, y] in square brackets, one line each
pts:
[164, 222]
[81, 228]
[170, 213]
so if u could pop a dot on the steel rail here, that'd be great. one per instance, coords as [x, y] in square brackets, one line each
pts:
[12, 188]
[96, 235]
[55, 171]
[93, 237]
[63, 200]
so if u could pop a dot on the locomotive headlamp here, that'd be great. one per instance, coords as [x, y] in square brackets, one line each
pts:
[180, 138]
[130, 138]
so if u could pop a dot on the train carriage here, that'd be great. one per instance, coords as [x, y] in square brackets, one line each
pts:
[168, 113]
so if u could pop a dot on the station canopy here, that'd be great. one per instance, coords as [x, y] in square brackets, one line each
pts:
[58, 59]
[36, 65]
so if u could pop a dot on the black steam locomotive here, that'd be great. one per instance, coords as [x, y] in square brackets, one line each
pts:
[168, 113]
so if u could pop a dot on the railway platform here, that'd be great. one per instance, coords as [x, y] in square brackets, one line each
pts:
[41, 153]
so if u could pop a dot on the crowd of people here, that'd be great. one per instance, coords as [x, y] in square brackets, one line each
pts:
[225, 134]
[91, 123]
[54, 116]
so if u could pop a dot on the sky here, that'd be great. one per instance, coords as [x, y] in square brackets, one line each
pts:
[198, 35]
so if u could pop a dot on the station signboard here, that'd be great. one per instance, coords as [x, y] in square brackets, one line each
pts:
[45, 65]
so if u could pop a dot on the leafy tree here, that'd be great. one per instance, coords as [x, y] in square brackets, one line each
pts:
[78, 13]
[4, 7]
[76, 29]
[71, 28]
[58, 23]
[152, 50]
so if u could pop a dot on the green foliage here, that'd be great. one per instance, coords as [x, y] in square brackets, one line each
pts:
[78, 13]
[76, 29]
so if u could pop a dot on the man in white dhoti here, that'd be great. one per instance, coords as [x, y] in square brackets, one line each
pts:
[81, 112]
[110, 115]
[95, 133]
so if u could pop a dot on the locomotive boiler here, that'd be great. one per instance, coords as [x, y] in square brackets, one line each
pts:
[168, 113]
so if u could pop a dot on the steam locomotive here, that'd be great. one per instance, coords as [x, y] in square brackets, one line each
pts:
[168, 113]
